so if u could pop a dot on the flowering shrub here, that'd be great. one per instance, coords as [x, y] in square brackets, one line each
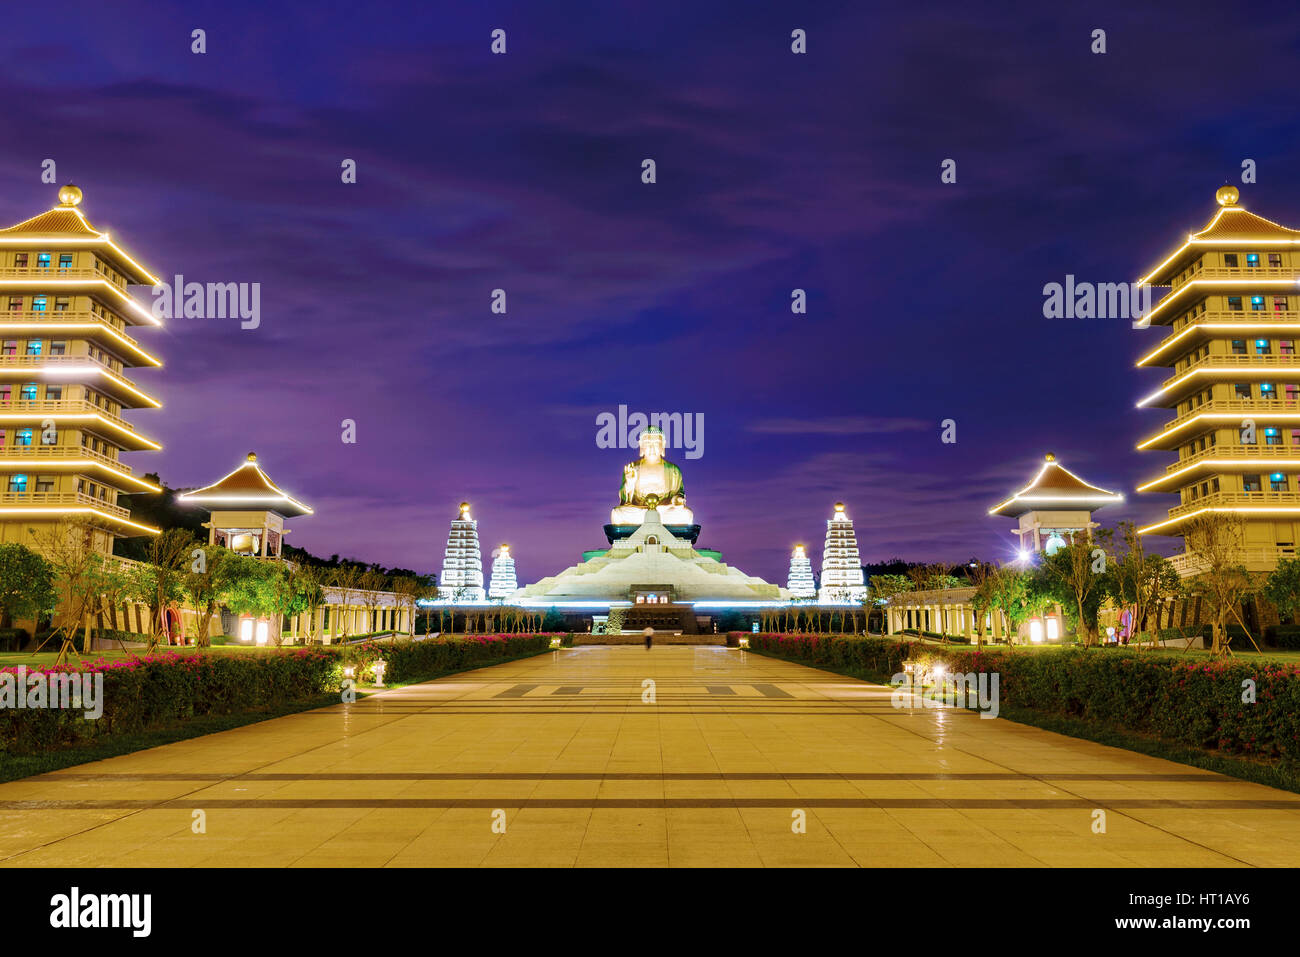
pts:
[144, 693]
[157, 691]
[421, 660]
[1190, 701]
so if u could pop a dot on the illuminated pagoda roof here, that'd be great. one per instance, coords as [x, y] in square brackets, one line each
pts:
[247, 488]
[1231, 225]
[1055, 488]
[67, 224]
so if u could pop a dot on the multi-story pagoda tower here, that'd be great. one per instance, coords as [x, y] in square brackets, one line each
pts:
[1232, 322]
[842, 579]
[462, 563]
[503, 583]
[800, 582]
[65, 314]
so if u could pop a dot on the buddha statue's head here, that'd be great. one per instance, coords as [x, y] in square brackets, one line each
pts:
[651, 445]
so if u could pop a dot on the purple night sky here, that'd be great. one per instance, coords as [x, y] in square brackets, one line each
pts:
[775, 171]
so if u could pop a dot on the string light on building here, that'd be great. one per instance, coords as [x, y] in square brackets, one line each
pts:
[842, 579]
[503, 584]
[462, 563]
[1232, 318]
[63, 385]
[800, 582]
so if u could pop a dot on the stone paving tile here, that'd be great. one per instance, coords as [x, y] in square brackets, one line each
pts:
[595, 777]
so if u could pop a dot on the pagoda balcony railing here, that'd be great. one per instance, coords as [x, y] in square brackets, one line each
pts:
[56, 499]
[1232, 451]
[1259, 407]
[1233, 317]
[1236, 498]
[58, 316]
[1261, 558]
[37, 362]
[1235, 362]
[38, 452]
[37, 407]
[1236, 272]
[54, 272]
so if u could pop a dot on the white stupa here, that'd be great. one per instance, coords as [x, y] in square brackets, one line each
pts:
[800, 583]
[842, 579]
[462, 563]
[503, 583]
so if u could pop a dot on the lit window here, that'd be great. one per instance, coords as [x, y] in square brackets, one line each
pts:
[33, 347]
[1256, 303]
[23, 437]
[1262, 347]
[38, 303]
[1252, 260]
[42, 260]
[18, 483]
[1277, 482]
[28, 393]
[65, 260]
[1272, 437]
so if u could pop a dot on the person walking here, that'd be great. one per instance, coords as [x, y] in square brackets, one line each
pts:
[649, 638]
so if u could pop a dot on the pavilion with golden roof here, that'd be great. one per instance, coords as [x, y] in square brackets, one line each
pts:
[1053, 506]
[247, 511]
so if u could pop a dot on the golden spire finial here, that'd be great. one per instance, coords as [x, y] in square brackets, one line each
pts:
[1050, 457]
[70, 195]
[252, 456]
[1227, 195]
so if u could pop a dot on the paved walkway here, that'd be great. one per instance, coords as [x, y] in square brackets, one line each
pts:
[586, 773]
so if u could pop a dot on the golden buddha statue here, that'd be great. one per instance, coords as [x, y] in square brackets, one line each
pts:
[651, 482]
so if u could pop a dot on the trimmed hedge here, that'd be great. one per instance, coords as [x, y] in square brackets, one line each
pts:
[938, 636]
[145, 693]
[1194, 702]
[406, 661]
[159, 691]
[1283, 636]
[12, 639]
[877, 658]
